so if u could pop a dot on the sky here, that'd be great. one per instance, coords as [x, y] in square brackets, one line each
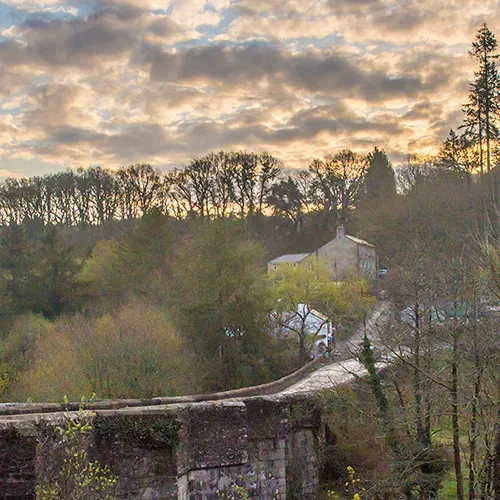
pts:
[116, 82]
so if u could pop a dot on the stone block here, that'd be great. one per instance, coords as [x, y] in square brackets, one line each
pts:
[17, 465]
[267, 418]
[212, 435]
[140, 450]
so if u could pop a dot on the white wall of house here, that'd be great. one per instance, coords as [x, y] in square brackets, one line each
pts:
[318, 327]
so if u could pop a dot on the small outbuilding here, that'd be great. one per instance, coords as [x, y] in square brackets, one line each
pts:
[290, 258]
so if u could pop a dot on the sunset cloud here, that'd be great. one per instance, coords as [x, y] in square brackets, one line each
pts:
[121, 81]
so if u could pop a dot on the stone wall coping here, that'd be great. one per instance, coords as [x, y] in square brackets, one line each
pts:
[29, 423]
[270, 388]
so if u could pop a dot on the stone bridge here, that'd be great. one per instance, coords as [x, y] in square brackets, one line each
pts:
[263, 438]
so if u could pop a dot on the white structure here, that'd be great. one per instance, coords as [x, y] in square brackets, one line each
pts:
[317, 327]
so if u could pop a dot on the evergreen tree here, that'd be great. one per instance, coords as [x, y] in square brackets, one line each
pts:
[376, 201]
[483, 109]
[380, 182]
[38, 270]
[457, 154]
[57, 270]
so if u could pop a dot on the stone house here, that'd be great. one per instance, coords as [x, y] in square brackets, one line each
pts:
[346, 254]
[341, 255]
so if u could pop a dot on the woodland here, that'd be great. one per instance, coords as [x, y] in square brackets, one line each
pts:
[117, 283]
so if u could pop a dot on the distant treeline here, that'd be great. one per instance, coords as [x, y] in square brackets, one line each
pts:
[220, 184]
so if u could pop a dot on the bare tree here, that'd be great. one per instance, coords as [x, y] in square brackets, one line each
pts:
[336, 181]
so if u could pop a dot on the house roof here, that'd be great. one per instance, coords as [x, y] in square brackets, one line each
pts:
[359, 240]
[290, 258]
[311, 313]
[319, 315]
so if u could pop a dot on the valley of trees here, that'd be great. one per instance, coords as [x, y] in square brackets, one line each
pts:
[118, 283]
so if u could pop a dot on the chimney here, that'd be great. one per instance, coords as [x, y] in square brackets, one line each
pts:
[340, 232]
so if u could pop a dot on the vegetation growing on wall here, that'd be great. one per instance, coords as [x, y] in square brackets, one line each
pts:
[67, 470]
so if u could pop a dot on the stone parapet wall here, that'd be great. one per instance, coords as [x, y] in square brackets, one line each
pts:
[17, 464]
[244, 392]
[192, 451]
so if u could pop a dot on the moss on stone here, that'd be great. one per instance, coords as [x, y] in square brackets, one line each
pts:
[144, 431]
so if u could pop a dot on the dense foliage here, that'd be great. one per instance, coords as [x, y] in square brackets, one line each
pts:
[129, 315]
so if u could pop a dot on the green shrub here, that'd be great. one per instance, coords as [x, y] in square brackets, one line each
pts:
[71, 474]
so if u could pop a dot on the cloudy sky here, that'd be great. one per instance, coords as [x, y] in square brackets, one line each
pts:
[115, 82]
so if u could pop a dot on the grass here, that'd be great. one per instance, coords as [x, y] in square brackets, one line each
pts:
[448, 490]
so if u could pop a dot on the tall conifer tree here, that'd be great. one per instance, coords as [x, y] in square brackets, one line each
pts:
[379, 181]
[483, 109]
